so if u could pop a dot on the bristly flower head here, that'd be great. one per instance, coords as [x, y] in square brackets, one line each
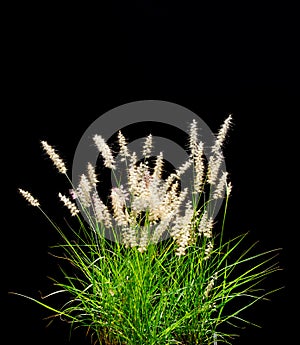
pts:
[73, 209]
[228, 189]
[124, 153]
[83, 191]
[216, 158]
[105, 151]
[221, 136]
[193, 140]
[58, 162]
[92, 175]
[32, 201]
[199, 168]
[118, 199]
[206, 225]
[101, 211]
[148, 145]
[221, 186]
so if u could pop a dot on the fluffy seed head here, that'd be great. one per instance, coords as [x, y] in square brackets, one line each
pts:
[123, 146]
[83, 191]
[223, 131]
[70, 205]
[229, 189]
[181, 231]
[101, 211]
[105, 151]
[193, 140]
[158, 166]
[199, 168]
[218, 193]
[57, 161]
[147, 148]
[118, 204]
[133, 174]
[92, 175]
[208, 250]
[183, 168]
[215, 159]
[32, 201]
[206, 225]
[214, 165]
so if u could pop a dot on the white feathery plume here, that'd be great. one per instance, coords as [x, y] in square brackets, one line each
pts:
[206, 225]
[132, 174]
[101, 211]
[123, 147]
[69, 204]
[219, 191]
[83, 191]
[122, 194]
[119, 209]
[181, 231]
[214, 164]
[179, 199]
[199, 168]
[215, 159]
[169, 182]
[27, 196]
[147, 148]
[141, 180]
[155, 200]
[193, 140]
[140, 203]
[105, 151]
[183, 168]
[57, 161]
[158, 166]
[169, 196]
[92, 175]
[228, 189]
[221, 136]
[208, 250]
[171, 201]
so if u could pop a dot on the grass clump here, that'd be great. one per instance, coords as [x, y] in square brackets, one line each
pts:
[166, 275]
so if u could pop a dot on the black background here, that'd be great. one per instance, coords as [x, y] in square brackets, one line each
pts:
[67, 66]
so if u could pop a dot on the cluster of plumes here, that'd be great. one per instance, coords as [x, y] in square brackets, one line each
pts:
[148, 205]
